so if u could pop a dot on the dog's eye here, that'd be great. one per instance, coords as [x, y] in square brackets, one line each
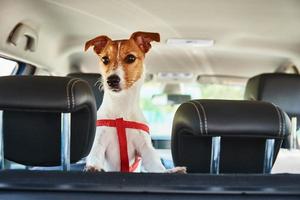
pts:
[105, 60]
[130, 58]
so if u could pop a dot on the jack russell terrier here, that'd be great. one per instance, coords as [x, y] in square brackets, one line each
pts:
[122, 139]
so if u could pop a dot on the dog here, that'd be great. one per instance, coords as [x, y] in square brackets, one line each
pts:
[121, 139]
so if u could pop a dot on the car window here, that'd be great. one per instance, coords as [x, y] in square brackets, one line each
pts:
[7, 67]
[159, 110]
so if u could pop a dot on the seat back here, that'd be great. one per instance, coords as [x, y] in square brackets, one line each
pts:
[34, 108]
[279, 89]
[227, 136]
[94, 81]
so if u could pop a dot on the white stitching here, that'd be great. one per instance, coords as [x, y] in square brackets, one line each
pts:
[68, 95]
[283, 121]
[279, 118]
[72, 93]
[205, 119]
[198, 116]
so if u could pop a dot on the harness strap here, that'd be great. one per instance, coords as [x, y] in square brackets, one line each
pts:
[121, 126]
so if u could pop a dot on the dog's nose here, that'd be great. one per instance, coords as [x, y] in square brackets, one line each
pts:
[113, 81]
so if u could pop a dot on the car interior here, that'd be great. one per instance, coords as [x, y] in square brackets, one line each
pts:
[221, 96]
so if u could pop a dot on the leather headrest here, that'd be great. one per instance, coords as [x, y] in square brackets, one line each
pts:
[32, 107]
[94, 81]
[44, 93]
[282, 90]
[231, 118]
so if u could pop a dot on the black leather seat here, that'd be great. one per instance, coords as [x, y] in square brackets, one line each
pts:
[94, 81]
[280, 89]
[32, 107]
[244, 128]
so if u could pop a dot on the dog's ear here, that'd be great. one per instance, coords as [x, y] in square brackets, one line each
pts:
[98, 42]
[143, 39]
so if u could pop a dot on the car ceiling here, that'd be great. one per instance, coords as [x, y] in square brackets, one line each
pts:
[251, 36]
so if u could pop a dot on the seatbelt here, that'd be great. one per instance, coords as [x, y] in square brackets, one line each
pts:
[121, 126]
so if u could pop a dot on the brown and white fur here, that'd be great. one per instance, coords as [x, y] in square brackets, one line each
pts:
[123, 73]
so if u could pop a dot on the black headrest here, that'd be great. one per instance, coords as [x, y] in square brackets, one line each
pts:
[281, 89]
[243, 126]
[231, 118]
[94, 81]
[32, 117]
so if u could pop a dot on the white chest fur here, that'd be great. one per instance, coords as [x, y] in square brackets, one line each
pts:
[105, 151]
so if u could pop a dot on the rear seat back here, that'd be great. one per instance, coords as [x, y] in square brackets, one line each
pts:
[280, 89]
[243, 128]
[32, 107]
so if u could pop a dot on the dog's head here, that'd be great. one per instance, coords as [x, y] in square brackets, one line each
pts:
[122, 60]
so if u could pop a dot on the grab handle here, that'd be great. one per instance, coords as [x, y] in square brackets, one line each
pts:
[21, 31]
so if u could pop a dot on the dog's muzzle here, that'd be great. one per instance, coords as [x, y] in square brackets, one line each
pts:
[113, 82]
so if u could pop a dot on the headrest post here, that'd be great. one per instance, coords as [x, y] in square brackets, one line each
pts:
[293, 137]
[65, 140]
[215, 155]
[1, 141]
[269, 154]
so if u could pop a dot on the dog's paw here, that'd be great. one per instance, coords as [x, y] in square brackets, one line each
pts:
[92, 169]
[178, 170]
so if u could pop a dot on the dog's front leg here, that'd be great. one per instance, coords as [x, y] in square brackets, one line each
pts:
[151, 160]
[96, 158]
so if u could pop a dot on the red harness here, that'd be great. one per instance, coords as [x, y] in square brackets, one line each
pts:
[121, 125]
